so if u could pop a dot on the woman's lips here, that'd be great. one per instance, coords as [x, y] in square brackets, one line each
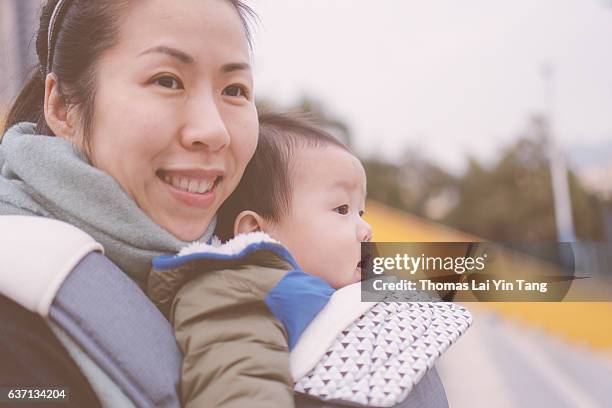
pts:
[199, 200]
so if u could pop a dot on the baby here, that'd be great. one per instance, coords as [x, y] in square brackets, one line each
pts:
[237, 309]
[307, 190]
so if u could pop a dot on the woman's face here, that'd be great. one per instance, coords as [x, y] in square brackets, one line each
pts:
[174, 119]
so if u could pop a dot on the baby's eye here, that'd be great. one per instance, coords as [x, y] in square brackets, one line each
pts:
[168, 81]
[361, 213]
[237, 91]
[343, 209]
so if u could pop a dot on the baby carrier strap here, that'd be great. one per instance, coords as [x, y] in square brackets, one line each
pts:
[57, 271]
[108, 316]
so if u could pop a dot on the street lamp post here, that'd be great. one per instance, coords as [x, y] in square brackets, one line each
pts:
[558, 170]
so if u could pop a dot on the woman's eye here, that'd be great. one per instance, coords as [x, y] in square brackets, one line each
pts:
[236, 91]
[343, 209]
[169, 82]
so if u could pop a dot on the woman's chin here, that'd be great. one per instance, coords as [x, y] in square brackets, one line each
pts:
[190, 234]
[186, 223]
[185, 230]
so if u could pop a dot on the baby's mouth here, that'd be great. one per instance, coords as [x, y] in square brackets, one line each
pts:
[190, 184]
[362, 265]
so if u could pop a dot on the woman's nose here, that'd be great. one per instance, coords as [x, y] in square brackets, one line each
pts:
[364, 233]
[205, 128]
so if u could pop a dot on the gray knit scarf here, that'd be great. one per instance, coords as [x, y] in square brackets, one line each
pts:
[48, 177]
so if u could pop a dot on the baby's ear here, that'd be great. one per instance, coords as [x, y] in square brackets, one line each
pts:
[248, 221]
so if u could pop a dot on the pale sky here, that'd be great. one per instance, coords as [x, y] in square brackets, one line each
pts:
[443, 76]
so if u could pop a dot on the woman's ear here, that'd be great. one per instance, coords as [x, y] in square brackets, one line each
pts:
[60, 116]
[248, 221]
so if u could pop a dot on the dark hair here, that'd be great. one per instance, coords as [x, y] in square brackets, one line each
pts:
[266, 186]
[82, 32]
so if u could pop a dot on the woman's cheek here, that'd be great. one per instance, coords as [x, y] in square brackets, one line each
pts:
[244, 142]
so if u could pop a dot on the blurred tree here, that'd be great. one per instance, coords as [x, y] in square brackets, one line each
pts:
[383, 183]
[412, 185]
[513, 201]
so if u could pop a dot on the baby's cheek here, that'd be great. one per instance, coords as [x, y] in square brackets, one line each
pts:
[349, 279]
[341, 276]
[322, 270]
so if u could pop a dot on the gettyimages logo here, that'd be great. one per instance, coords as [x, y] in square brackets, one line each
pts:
[478, 271]
[412, 264]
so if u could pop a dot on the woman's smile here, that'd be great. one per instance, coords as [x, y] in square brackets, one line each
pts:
[192, 187]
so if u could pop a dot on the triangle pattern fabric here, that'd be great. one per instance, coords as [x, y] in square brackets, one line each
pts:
[380, 357]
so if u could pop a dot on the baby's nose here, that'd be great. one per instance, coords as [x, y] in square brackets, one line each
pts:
[365, 232]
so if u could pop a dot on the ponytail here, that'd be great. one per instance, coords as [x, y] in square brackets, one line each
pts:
[28, 106]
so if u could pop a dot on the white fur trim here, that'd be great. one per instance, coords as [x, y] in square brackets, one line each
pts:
[36, 255]
[231, 247]
[343, 308]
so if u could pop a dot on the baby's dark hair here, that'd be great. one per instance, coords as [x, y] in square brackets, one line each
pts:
[266, 186]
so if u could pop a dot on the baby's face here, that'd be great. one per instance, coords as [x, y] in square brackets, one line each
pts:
[324, 229]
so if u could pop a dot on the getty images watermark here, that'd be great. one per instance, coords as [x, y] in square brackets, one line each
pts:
[477, 271]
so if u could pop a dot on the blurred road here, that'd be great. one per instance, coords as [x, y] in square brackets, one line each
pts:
[500, 363]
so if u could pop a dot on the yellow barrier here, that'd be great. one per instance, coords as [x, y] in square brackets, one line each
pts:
[587, 323]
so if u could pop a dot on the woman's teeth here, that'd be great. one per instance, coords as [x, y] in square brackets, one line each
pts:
[190, 185]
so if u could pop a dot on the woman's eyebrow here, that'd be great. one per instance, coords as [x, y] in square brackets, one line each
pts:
[188, 59]
[235, 66]
[173, 52]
